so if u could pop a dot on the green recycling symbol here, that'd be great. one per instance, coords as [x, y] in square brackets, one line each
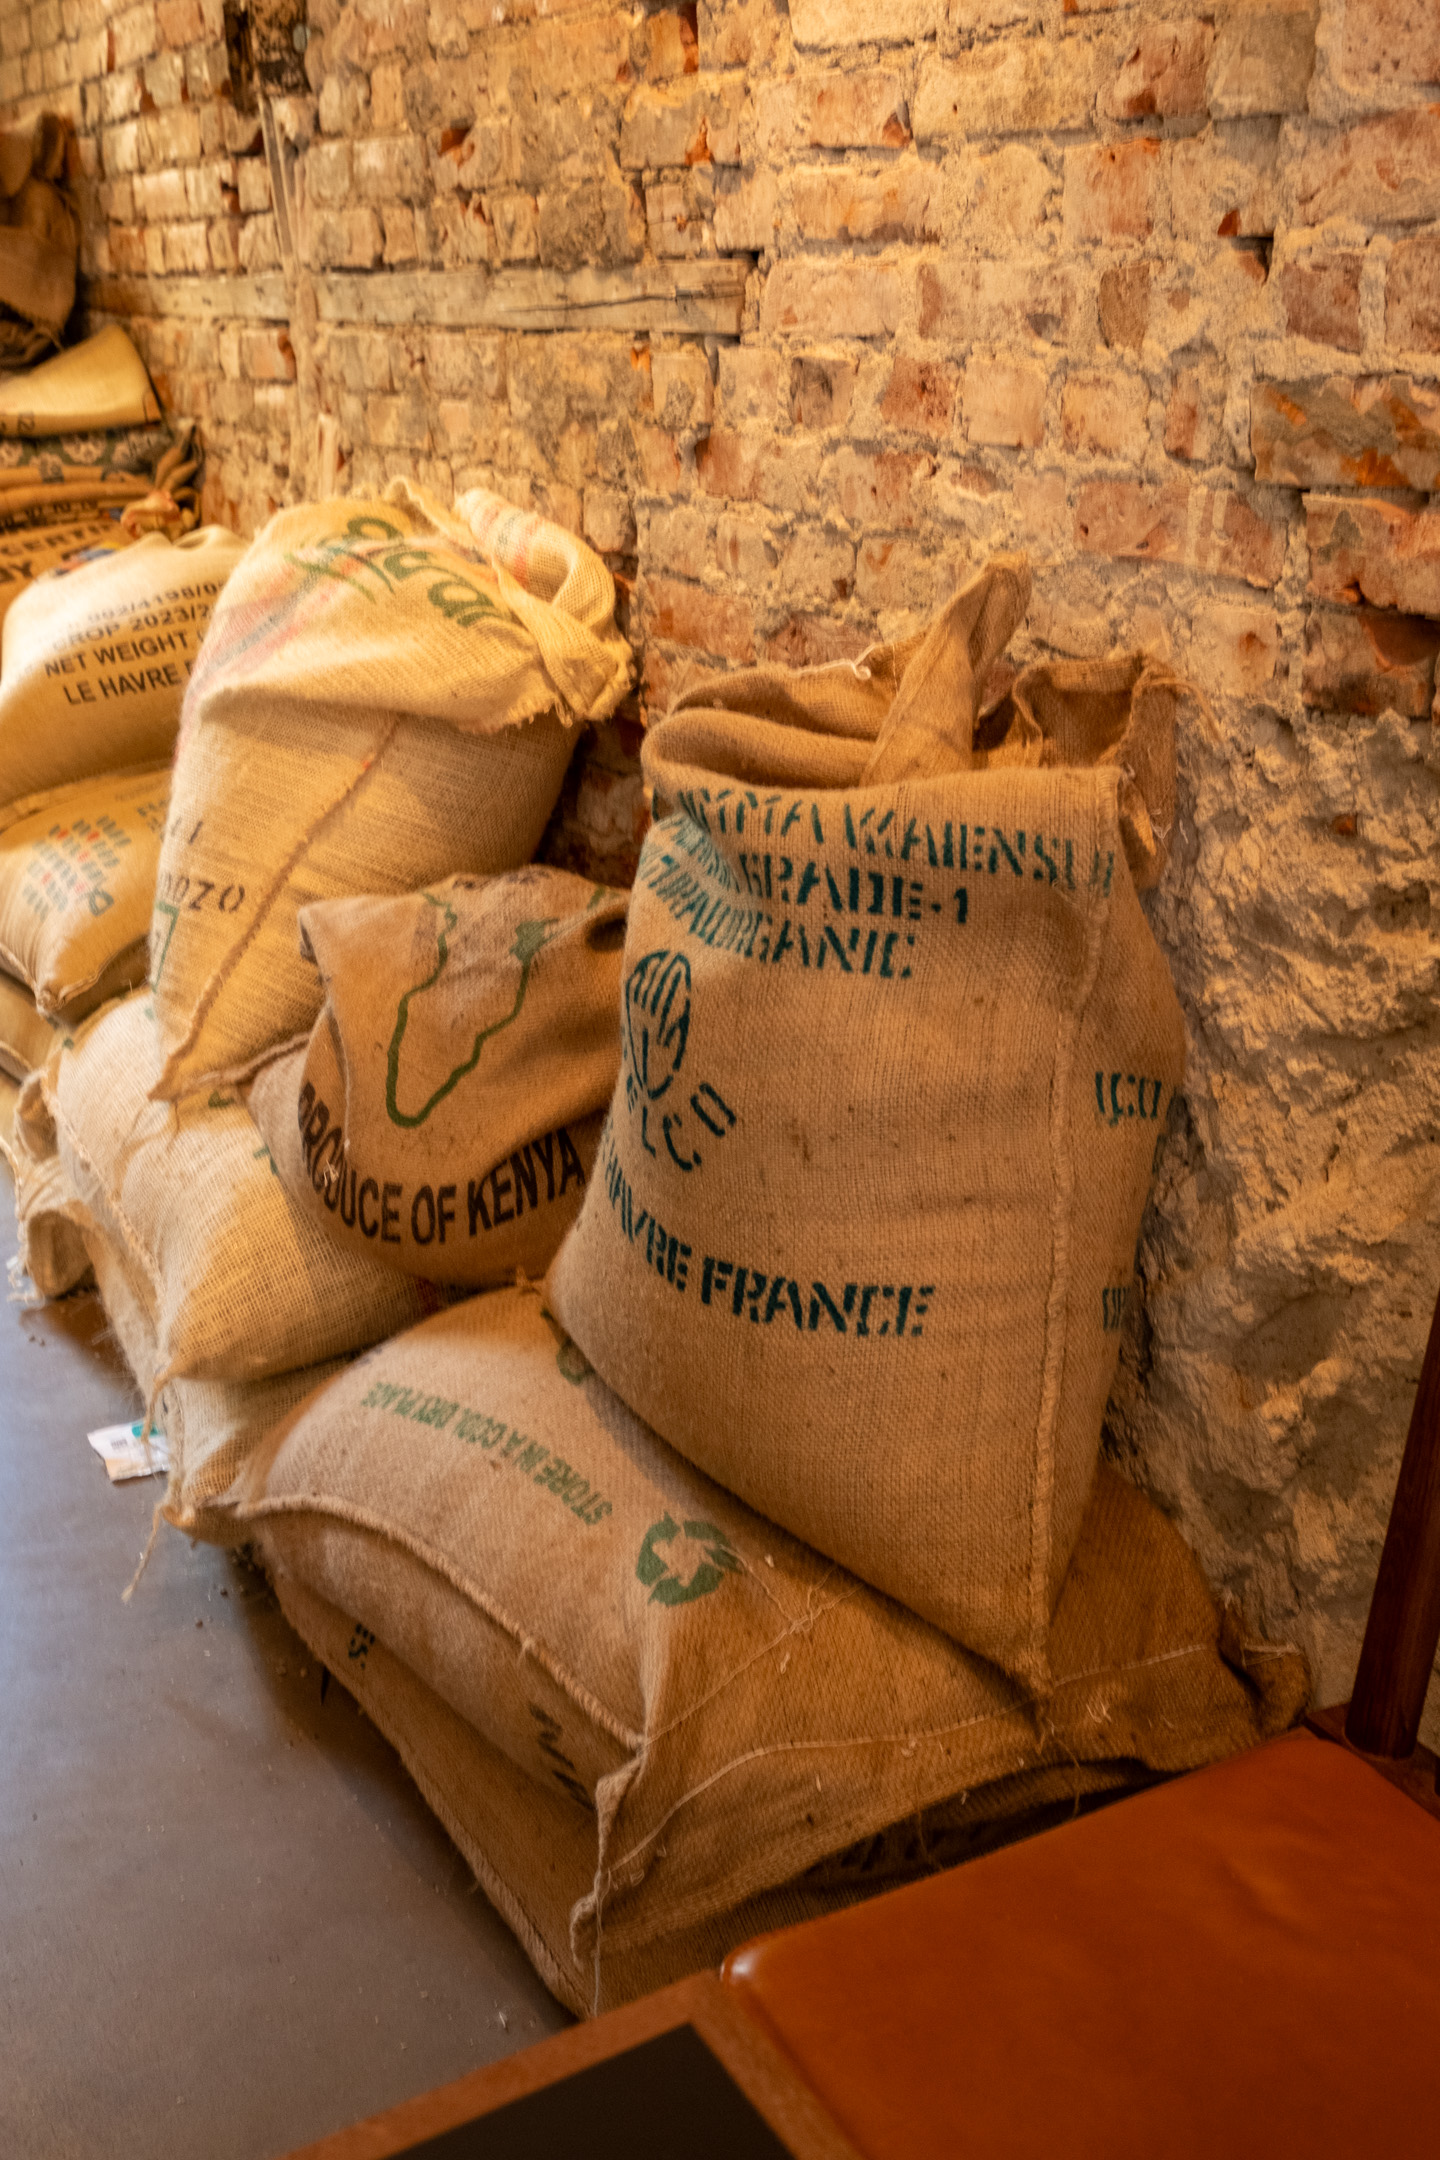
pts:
[721, 1559]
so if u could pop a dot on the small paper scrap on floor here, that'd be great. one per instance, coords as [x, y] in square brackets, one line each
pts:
[126, 1454]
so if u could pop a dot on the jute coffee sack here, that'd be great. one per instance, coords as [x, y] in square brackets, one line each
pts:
[50, 1224]
[100, 383]
[27, 1036]
[898, 1047]
[237, 1281]
[533, 1852]
[29, 551]
[97, 656]
[386, 701]
[731, 1706]
[77, 886]
[445, 1113]
[210, 1426]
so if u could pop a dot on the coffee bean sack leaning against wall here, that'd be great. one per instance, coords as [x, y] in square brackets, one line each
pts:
[445, 1113]
[389, 698]
[714, 1707]
[898, 1049]
[97, 658]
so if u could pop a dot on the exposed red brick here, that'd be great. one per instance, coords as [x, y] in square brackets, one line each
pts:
[835, 111]
[1264, 58]
[1361, 549]
[1192, 415]
[1235, 649]
[877, 487]
[1347, 431]
[1391, 41]
[1367, 661]
[1011, 85]
[1125, 305]
[707, 622]
[1109, 188]
[1320, 297]
[832, 299]
[1412, 294]
[1004, 402]
[1106, 412]
[1164, 72]
[814, 641]
[833, 202]
[920, 396]
[1200, 528]
[659, 460]
[964, 301]
[1385, 171]
[821, 391]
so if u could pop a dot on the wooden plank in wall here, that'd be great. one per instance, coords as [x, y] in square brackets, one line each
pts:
[193, 299]
[692, 297]
[689, 298]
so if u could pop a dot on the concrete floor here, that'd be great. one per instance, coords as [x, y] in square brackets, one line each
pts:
[228, 1923]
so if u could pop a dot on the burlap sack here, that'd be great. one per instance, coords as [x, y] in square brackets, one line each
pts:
[47, 478]
[30, 551]
[77, 886]
[96, 660]
[898, 1047]
[385, 700]
[533, 1853]
[445, 1113]
[39, 236]
[27, 1036]
[237, 1283]
[210, 1426]
[101, 383]
[721, 1707]
[50, 1225]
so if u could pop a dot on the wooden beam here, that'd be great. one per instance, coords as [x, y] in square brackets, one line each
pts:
[702, 298]
[705, 297]
[194, 299]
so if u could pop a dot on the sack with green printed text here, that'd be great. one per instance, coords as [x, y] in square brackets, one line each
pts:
[96, 658]
[77, 886]
[898, 1047]
[711, 1706]
[388, 698]
[236, 1281]
[445, 1113]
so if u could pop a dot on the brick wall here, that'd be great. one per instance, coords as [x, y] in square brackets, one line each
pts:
[797, 315]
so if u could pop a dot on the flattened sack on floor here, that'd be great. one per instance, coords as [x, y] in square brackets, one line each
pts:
[445, 1113]
[96, 659]
[719, 1706]
[386, 700]
[898, 1046]
[77, 886]
[237, 1282]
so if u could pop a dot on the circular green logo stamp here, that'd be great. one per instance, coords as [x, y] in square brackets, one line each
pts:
[681, 1574]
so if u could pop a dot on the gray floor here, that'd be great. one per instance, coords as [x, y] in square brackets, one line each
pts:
[228, 1923]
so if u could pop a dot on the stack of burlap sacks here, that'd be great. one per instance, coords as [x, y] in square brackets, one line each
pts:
[765, 1552]
[100, 626]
